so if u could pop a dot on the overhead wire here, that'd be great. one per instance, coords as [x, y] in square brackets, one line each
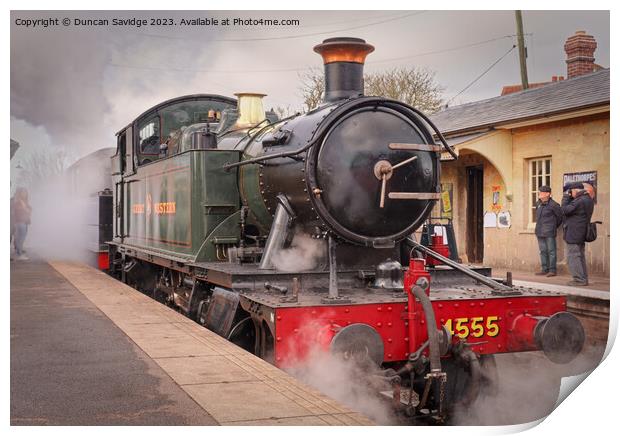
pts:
[446, 50]
[482, 74]
[299, 69]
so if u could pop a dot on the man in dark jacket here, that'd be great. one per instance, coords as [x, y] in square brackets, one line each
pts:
[549, 217]
[577, 206]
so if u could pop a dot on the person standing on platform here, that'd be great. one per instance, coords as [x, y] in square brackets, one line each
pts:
[549, 217]
[577, 206]
[21, 216]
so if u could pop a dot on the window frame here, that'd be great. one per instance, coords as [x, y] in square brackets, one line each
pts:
[141, 125]
[538, 178]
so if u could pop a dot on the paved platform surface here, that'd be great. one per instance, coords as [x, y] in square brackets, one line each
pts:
[205, 379]
[70, 365]
[568, 290]
[596, 283]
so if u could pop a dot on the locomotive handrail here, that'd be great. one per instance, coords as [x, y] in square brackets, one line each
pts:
[269, 156]
[247, 134]
[228, 132]
[258, 159]
[272, 156]
[439, 134]
[473, 274]
[265, 127]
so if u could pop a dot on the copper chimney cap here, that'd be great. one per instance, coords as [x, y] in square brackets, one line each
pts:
[344, 49]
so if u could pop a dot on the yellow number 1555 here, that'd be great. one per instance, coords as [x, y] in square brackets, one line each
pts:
[476, 326]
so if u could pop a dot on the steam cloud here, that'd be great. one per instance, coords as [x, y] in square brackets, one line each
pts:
[528, 388]
[303, 254]
[83, 84]
[65, 212]
[527, 391]
[62, 93]
[342, 380]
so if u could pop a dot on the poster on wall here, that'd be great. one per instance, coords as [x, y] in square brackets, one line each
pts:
[490, 219]
[446, 201]
[588, 178]
[504, 220]
[497, 205]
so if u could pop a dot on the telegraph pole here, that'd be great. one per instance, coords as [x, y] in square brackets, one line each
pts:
[522, 53]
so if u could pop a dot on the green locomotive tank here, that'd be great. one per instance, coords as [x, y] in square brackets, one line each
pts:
[173, 198]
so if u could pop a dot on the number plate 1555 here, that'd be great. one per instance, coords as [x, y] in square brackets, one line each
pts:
[476, 326]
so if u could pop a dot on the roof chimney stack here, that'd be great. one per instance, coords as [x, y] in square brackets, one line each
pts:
[580, 49]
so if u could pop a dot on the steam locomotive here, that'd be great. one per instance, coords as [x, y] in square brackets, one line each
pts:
[211, 194]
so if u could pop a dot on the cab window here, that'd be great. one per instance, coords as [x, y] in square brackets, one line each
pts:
[121, 153]
[149, 136]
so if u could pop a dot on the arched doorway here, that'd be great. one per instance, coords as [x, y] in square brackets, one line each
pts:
[481, 191]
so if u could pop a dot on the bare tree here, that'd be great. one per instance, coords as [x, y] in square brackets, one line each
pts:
[40, 166]
[312, 87]
[283, 112]
[413, 86]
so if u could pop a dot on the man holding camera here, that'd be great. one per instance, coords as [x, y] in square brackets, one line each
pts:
[548, 218]
[577, 205]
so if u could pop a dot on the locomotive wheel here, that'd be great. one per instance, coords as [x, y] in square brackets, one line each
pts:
[459, 389]
[488, 385]
[159, 295]
[243, 334]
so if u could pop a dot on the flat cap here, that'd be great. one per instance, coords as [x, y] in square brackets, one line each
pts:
[544, 188]
[573, 185]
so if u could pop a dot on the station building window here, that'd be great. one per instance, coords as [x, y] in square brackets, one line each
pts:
[540, 174]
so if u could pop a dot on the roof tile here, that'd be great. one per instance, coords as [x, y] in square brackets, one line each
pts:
[566, 95]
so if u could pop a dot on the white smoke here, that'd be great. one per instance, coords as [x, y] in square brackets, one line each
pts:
[340, 379]
[303, 254]
[529, 385]
[64, 219]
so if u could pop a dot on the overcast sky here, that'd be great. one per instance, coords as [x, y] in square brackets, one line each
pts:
[74, 87]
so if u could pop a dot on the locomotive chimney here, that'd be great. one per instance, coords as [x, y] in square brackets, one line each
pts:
[344, 66]
[250, 109]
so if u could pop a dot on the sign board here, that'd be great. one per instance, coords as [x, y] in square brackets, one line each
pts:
[588, 178]
[446, 200]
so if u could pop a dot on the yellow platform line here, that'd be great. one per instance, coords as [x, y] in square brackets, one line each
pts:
[232, 385]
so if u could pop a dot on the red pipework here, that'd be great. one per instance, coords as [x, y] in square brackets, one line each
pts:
[411, 317]
[417, 274]
[417, 270]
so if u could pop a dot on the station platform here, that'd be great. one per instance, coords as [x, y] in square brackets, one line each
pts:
[89, 350]
[597, 283]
